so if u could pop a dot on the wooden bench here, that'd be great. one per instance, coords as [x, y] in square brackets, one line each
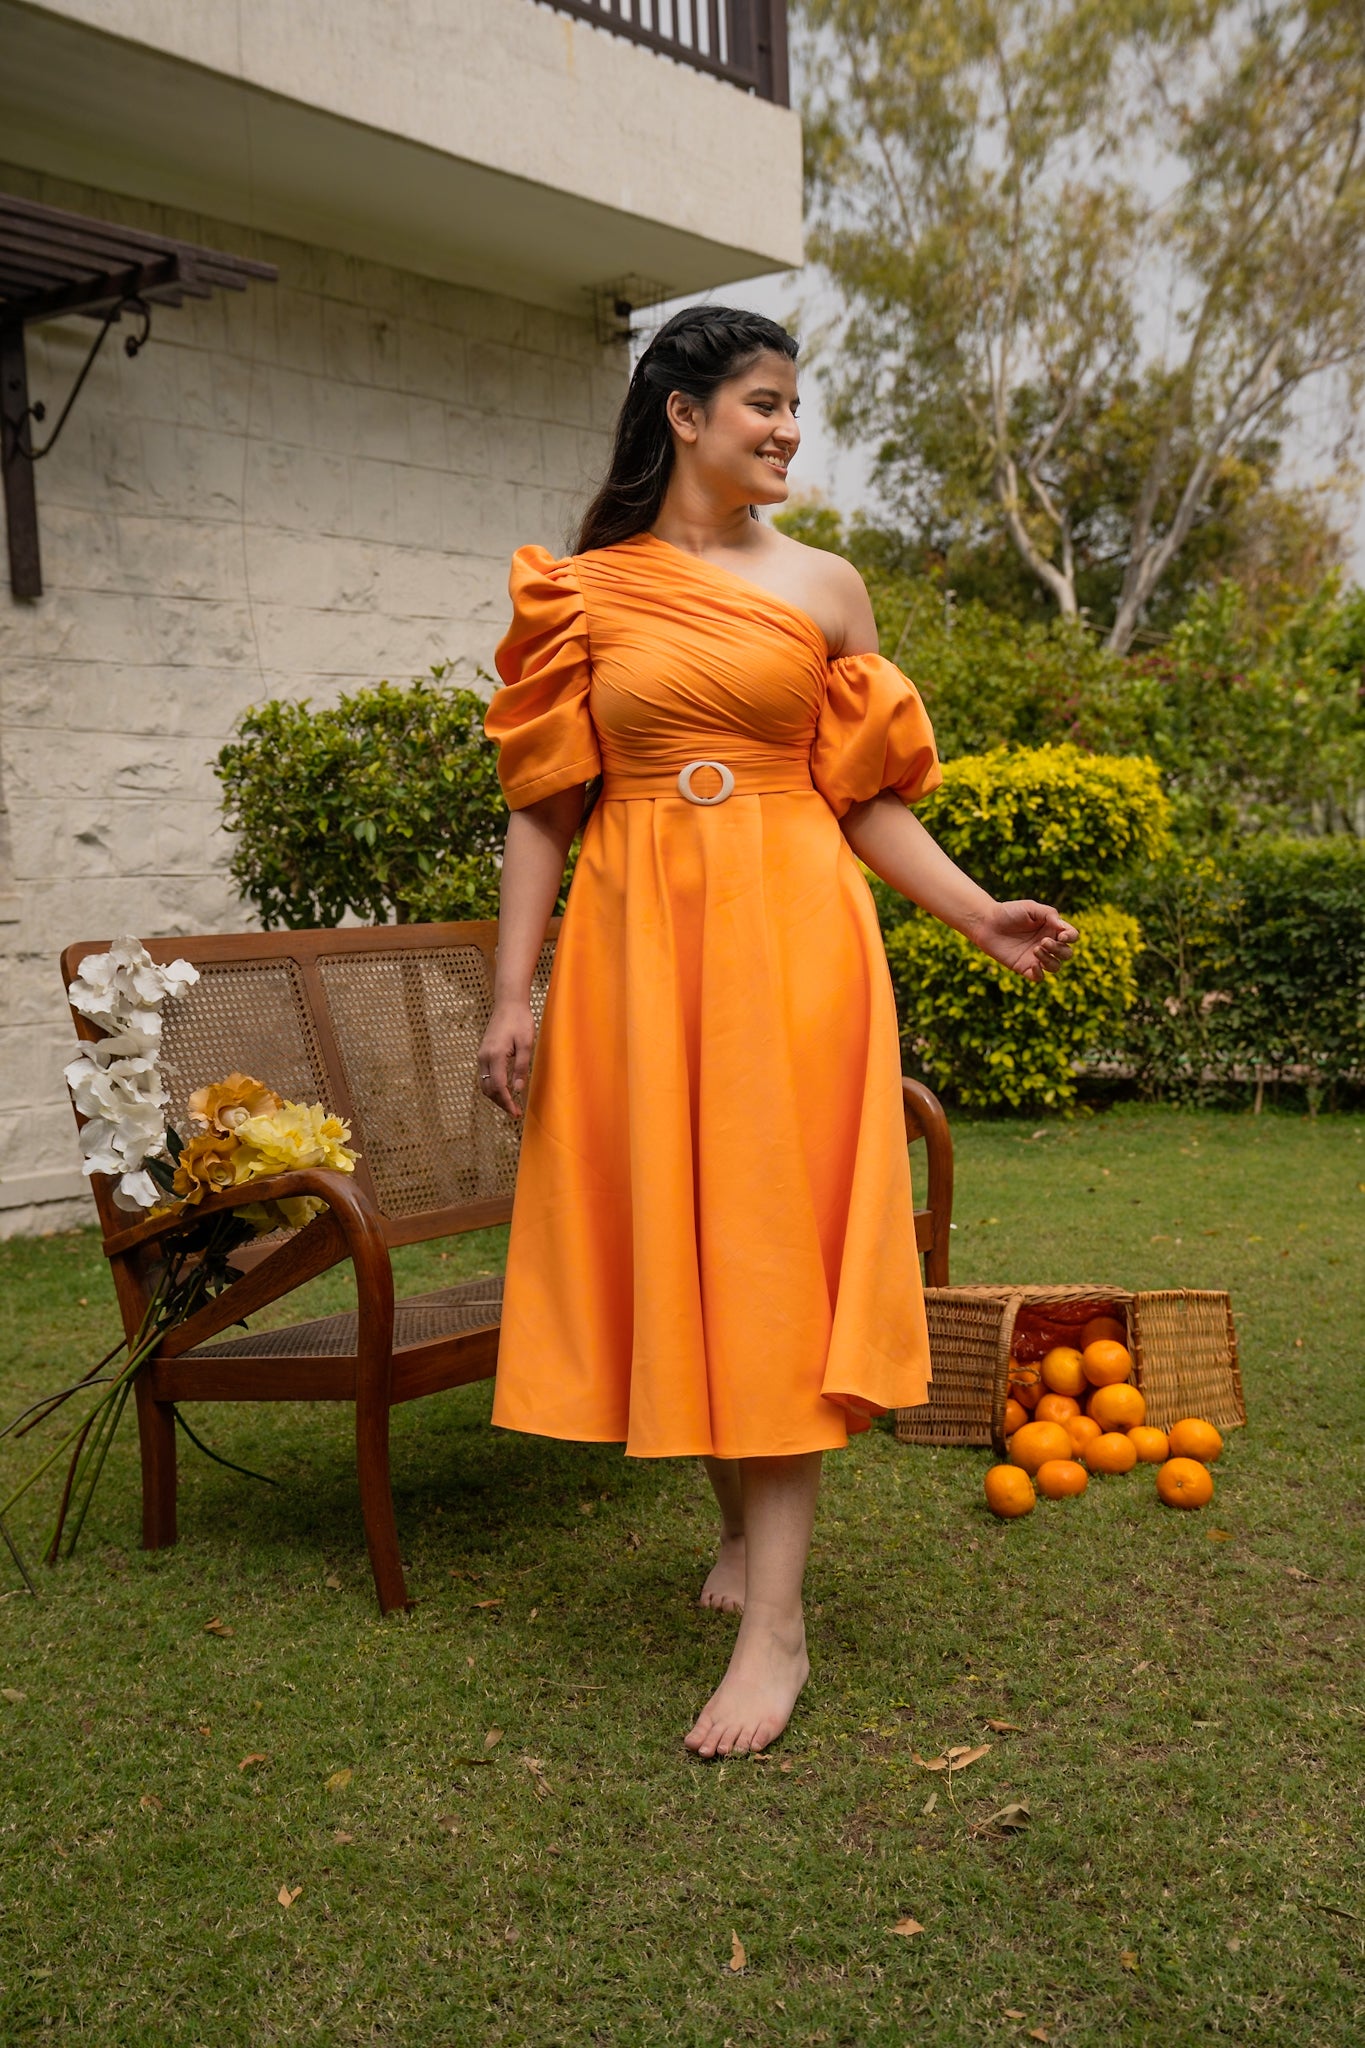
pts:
[382, 1024]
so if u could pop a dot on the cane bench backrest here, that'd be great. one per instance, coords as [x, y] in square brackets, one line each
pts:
[382, 1024]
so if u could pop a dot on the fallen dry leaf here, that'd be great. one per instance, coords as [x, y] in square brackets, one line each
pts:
[785, 1764]
[1220, 1536]
[204, 1728]
[216, 1628]
[738, 1959]
[1291, 1571]
[12, 1694]
[906, 1927]
[537, 1770]
[257, 1756]
[1013, 2013]
[1145, 1665]
[1006, 1727]
[1037, 2034]
[1129, 1959]
[930, 1803]
[340, 1835]
[450, 1822]
[150, 1803]
[632, 1541]
[493, 1738]
[929, 1763]
[332, 1582]
[532, 1615]
[339, 1780]
[287, 1897]
[1007, 1820]
[489, 1603]
[960, 1757]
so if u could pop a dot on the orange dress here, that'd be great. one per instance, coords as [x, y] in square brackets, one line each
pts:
[712, 1245]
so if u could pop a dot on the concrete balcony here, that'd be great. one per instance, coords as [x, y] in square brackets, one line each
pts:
[504, 144]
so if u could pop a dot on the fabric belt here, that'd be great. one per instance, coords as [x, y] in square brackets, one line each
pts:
[707, 780]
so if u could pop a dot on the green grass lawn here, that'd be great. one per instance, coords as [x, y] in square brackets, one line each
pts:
[493, 1830]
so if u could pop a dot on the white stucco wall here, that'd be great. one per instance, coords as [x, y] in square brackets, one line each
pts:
[290, 491]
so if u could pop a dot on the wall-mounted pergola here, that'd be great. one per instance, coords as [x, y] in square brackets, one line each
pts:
[53, 264]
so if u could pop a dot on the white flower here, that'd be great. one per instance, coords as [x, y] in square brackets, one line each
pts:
[125, 985]
[119, 1092]
[136, 1191]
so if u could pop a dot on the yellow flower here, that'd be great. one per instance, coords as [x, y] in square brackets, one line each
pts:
[226, 1105]
[288, 1212]
[290, 1137]
[206, 1164]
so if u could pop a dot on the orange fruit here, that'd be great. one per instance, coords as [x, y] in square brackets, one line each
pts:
[1056, 1408]
[1105, 1364]
[1036, 1442]
[1117, 1407]
[1184, 1483]
[1150, 1444]
[1063, 1372]
[1195, 1438]
[1026, 1384]
[1103, 1330]
[1060, 1478]
[1009, 1492]
[1112, 1452]
[1082, 1429]
[1016, 1415]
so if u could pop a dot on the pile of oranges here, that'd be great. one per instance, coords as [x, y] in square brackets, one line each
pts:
[1078, 1412]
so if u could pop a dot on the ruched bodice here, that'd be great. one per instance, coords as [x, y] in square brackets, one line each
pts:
[712, 1247]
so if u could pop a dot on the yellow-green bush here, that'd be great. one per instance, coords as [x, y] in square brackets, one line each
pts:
[991, 1040]
[1053, 823]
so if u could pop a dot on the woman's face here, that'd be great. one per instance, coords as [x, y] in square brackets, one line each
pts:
[740, 445]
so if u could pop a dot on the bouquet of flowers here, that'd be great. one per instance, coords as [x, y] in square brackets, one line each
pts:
[241, 1133]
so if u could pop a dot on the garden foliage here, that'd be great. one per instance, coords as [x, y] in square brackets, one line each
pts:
[991, 1040]
[386, 805]
[1252, 969]
[1051, 823]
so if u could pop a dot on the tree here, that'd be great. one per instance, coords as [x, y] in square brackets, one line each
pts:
[1089, 251]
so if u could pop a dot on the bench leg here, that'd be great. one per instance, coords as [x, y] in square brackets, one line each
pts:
[156, 1436]
[376, 1503]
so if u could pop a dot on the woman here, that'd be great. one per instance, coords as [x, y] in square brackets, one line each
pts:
[712, 1250]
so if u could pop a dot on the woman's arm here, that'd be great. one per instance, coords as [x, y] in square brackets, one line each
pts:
[538, 841]
[1029, 937]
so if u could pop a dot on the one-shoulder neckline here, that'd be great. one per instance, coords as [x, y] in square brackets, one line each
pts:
[745, 583]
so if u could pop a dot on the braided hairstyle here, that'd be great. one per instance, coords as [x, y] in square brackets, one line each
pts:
[696, 351]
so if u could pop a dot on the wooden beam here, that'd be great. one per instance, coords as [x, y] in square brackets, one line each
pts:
[21, 497]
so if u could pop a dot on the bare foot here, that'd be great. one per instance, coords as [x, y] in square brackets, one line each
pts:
[724, 1587]
[753, 1702]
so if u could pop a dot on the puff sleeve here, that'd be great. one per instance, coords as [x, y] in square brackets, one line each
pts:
[873, 733]
[540, 718]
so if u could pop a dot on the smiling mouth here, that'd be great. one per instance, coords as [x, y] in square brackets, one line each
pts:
[780, 463]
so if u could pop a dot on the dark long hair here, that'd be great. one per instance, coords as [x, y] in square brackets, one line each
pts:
[695, 351]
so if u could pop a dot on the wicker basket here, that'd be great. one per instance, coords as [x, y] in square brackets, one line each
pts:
[1183, 1343]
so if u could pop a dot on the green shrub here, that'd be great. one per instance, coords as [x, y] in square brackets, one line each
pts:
[385, 804]
[1048, 822]
[1177, 1036]
[1252, 970]
[990, 1040]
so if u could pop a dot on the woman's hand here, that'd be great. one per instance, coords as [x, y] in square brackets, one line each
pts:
[505, 1055]
[1032, 938]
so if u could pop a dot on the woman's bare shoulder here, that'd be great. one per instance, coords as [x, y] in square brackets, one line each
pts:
[833, 590]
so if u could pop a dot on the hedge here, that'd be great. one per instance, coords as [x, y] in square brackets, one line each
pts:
[993, 1041]
[1252, 970]
[386, 805]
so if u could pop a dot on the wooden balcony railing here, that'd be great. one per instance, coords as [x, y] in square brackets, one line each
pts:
[744, 41]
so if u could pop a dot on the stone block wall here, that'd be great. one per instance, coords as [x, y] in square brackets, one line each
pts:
[290, 491]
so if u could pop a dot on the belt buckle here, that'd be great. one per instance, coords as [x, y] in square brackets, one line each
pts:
[727, 782]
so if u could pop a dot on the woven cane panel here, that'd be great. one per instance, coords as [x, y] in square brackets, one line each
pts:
[248, 1017]
[422, 1319]
[1186, 1348]
[408, 1026]
[969, 1338]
